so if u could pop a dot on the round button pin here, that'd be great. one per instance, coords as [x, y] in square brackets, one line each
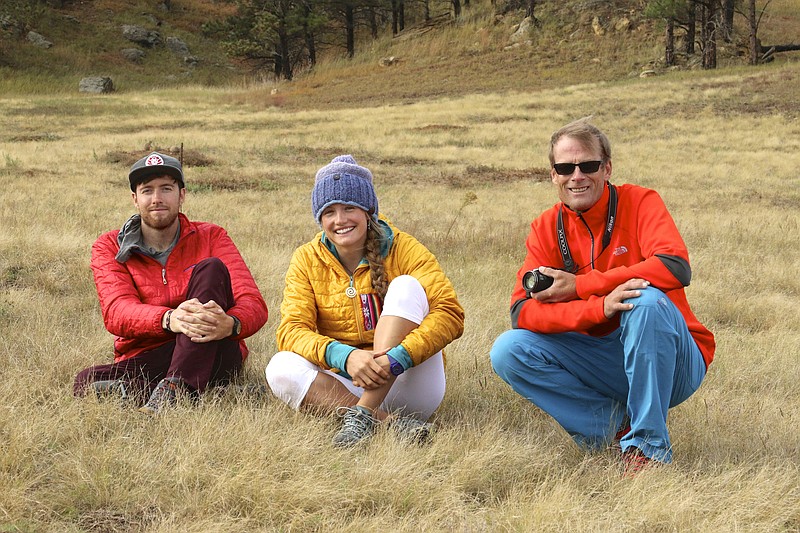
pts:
[350, 292]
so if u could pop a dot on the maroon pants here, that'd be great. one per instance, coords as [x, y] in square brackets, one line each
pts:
[197, 364]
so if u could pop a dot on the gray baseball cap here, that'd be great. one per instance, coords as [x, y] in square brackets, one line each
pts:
[155, 163]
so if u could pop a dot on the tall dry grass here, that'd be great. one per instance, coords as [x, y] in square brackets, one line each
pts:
[723, 156]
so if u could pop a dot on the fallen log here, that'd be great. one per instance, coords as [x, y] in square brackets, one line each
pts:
[768, 51]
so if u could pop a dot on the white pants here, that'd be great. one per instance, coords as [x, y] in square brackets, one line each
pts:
[416, 392]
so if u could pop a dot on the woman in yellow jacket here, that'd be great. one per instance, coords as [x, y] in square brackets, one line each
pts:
[366, 313]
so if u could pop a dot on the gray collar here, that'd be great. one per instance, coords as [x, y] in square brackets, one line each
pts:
[130, 240]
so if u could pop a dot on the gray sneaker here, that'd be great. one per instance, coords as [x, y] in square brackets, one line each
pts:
[412, 430]
[358, 425]
[164, 395]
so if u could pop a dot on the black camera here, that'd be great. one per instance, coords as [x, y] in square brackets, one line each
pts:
[534, 281]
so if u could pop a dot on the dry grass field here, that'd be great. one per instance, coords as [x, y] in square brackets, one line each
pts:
[465, 175]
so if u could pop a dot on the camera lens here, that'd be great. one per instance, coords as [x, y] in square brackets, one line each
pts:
[535, 281]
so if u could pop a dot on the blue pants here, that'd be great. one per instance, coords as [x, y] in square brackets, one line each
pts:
[588, 384]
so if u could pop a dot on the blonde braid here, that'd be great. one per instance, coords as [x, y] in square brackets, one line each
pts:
[373, 256]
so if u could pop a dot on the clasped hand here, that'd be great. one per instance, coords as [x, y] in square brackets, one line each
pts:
[201, 322]
[368, 369]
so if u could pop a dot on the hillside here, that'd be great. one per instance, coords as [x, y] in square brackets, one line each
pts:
[576, 41]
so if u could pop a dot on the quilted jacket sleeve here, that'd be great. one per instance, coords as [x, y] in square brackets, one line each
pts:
[445, 320]
[124, 314]
[297, 331]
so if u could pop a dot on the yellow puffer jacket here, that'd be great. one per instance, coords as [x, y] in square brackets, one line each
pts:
[316, 311]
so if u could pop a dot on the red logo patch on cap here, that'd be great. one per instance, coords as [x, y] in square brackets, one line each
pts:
[154, 159]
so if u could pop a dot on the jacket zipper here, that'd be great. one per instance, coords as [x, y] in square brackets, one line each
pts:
[591, 238]
[164, 275]
[356, 309]
[356, 305]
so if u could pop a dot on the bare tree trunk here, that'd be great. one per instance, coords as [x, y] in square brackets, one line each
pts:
[456, 8]
[691, 28]
[728, 10]
[751, 18]
[286, 64]
[350, 26]
[669, 38]
[308, 36]
[373, 22]
[529, 10]
[401, 19]
[395, 18]
[710, 25]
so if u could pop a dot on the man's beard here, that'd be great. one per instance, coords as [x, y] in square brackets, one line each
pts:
[159, 222]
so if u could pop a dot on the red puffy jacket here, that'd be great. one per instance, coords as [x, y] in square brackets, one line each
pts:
[135, 295]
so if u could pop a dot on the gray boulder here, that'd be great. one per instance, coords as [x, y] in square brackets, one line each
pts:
[133, 55]
[96, 84]
[38, 40]
[141, 36]
[10, 25]
[523, 31]
[177, 46]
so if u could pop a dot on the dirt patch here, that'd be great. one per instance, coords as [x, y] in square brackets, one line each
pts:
[440, 127]
[190, 158]
[34, 137]
[406, 161]
[233, 182]
[475, 176]
[788, 201]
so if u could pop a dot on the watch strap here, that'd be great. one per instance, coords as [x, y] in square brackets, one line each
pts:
[394, 366]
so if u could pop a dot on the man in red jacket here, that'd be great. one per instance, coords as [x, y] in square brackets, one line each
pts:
[612, 344]
[176, 294]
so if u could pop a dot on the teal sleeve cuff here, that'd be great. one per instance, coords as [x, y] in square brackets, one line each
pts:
[336, 355]
[400, 355]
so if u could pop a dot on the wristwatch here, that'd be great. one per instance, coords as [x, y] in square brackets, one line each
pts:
[237, 326]
[394, 366]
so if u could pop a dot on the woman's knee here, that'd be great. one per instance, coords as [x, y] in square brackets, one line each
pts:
[406, 284]
[406, 298]
[289, 376]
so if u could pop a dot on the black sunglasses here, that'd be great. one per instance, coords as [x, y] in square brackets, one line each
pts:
[587, 167]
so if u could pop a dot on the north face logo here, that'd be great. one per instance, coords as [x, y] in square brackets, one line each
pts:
[619, 250]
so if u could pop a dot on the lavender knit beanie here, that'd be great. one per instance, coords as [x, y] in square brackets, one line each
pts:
[343, 181]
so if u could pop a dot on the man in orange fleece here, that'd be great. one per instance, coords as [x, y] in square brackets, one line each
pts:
[612, 344]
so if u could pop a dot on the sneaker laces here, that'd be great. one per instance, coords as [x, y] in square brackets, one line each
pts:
[357, 424]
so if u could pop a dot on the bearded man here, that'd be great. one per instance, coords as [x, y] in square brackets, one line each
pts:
[176, 294]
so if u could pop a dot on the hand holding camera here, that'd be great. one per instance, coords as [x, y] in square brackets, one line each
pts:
[534, 281]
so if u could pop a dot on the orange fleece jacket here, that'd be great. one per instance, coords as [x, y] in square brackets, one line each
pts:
[644, 242]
